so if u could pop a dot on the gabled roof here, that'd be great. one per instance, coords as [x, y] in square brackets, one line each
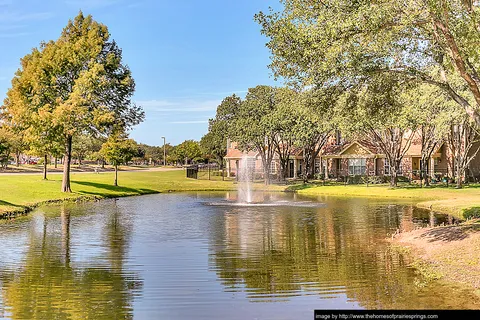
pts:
[358, 144]
[338, 150]
[237, 154]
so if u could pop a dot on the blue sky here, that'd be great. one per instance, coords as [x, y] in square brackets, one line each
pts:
[185, 56]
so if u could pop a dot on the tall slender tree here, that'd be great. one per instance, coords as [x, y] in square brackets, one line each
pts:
[284, 118]
[81, 82]
[464, 144]
[314, 124]
[214, 142]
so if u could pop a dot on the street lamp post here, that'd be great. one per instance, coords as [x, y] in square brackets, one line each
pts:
[164, 153]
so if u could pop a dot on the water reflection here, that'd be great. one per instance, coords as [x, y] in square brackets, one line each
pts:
[340, 250]
[50, 284]
[169, 256]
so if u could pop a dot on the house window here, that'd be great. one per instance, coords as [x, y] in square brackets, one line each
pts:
[317, 165]
[386, 167]
[357, 166]
[273, 167]
[251, 163]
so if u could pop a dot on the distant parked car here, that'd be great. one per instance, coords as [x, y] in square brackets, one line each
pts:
[32, 162]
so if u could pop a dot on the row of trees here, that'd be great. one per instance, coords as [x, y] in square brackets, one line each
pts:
[385, 111]
[403, 66]
[91, 148]
[379, 71]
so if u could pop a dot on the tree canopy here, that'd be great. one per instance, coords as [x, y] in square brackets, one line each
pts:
[77, 84]
[325, 42]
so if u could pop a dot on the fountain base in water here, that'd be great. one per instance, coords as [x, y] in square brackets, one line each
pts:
[297, 204]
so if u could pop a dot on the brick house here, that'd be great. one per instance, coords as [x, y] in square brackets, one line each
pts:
[340, 158]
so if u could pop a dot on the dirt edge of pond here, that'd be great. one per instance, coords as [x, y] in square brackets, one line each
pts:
[450, 253]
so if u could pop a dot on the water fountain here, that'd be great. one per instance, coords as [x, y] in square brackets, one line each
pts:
[245, 197]
[245, 178]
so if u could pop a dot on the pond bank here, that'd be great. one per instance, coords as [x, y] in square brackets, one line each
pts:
[19, 194]
[460, 203]
[448, 252]
[451, 253]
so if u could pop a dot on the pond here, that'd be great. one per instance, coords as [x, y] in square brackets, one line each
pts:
[174, 256]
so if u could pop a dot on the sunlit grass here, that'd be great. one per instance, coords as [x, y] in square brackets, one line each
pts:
[438, 198]
[18, 192]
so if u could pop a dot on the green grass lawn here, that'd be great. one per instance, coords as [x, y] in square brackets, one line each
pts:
[18, 192]
[458, 202]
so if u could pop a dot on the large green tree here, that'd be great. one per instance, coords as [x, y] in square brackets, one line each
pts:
[317, 42]
[432, 110]
[314, 124]
[284, 118]
[379, 110]
[81, 81]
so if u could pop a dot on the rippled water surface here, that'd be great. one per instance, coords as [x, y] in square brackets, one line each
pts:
[173, 256]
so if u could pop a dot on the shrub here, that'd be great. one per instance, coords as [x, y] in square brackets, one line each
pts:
[319, 176]
[471, 213]
[377, 179]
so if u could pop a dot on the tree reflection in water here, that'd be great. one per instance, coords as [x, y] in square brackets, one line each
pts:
[274, 256]
[76, 261]
[52, 285]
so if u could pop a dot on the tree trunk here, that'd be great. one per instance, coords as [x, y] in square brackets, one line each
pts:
[424, 170]
[17, 159]
[115, 183]
[66, 165]
[394, 178]
[459, 177]
[103, 164]
[312, 168]
[394, 174]
[267, 172]
[305, 170]
[283, 169]
[45, 167]
[56, 160]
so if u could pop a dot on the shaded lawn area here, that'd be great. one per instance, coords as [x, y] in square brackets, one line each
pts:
[462, 203]
[20, 191]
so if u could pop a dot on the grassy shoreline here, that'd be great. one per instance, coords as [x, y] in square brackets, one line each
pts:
[19, 194]
[461, 203]
[448, 253]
